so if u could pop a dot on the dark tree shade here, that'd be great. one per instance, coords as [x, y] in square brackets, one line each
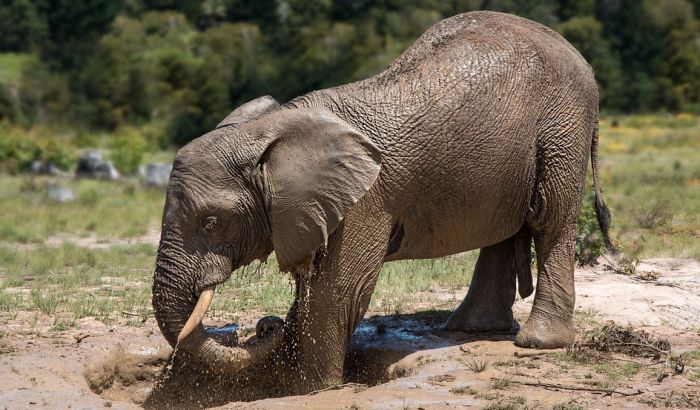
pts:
[22, 27]
[180, 66]
[74, 26]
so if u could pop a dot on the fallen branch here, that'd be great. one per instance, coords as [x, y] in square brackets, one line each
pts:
[357, 386]
[79, 338]
[537, 353]
[125, 313]
[671, 285]
[607, 392]
[636, 362]
[646, 345]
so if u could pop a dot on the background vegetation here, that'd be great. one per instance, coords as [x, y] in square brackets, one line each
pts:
[139, 78]
[173, 69]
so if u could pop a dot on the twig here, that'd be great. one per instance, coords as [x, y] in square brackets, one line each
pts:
[338, 387]
[79, 338]
[131, 314]
[671, 285]
[535, 353]
[630, 344]
[636, 362]
[575, 388]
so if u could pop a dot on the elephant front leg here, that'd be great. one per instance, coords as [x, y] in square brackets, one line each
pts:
[333, 298]
[489, 301]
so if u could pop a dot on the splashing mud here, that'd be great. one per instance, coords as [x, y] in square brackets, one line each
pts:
[124, 375]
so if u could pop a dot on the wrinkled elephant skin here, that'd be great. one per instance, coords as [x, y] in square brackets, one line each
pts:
[478, 136]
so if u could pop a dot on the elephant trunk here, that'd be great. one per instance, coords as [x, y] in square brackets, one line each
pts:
[177, 308]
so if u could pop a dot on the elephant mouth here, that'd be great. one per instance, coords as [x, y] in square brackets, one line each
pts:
[230, 355]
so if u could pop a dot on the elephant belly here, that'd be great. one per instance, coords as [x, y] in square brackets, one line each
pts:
[430, 234]
[455, 206]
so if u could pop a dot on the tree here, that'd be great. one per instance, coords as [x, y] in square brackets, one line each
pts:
[632, 36]
[585, 33]
[22, 28]
[678, 68]
[74, 26]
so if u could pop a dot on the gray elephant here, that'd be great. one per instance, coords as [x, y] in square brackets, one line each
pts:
[478, 136]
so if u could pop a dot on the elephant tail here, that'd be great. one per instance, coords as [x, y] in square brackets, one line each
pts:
[601, 209]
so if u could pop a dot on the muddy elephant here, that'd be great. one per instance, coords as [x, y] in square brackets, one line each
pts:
[477, 136]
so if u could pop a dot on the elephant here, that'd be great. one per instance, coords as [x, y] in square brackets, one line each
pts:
[478, 136]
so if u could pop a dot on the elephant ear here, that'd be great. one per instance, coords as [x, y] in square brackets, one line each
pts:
[316, 168]
[250, 111]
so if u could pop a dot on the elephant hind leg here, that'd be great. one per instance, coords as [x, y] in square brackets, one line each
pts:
[550, 324]
[489, 301]
[553, 221]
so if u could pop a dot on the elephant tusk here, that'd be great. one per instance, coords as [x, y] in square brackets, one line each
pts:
[198, 313]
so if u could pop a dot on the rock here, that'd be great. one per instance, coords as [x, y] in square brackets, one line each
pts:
[91, 165]
[45, 168]
[57, 193]
[156, 174]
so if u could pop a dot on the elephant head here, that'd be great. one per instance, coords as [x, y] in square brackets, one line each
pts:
[267, 178]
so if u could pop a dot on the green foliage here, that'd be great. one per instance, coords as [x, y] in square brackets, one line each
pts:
[589, 242]
[127, 150]
[23, 27]
[19, 147]
[102, 65]
[9, 109]
[13, 65]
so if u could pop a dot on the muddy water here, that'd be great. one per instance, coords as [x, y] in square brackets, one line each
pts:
[153, 376]
[400, 362]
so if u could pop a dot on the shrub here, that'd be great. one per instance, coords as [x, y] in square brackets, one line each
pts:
[19, 147]
[127, 149]
[53, 148]
[658, 215]
[589, 242]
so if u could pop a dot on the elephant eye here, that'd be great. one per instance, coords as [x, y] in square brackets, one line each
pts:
[209, 223]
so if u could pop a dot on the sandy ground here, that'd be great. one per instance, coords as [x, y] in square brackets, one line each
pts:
[422, 366]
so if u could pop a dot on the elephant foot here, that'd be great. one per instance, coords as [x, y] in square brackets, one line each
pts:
[545, 334]
[481, 321]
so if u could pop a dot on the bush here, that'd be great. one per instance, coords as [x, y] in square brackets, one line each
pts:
[658, 215]
[127, 149]
[589, 242]
[19, 147]
[53, 148]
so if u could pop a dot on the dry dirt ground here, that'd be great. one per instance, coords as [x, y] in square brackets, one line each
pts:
[398, 362]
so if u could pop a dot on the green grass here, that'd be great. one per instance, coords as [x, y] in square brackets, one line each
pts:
[12, 65]
[501, 383]
[102, 209]
[403, 284]
[462, 390]
[651, 178]
[70, 282]
[474, 364]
